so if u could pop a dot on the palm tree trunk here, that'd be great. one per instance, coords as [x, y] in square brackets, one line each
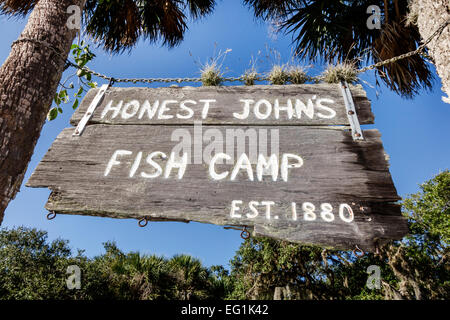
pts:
[28, 81]
[431, 14]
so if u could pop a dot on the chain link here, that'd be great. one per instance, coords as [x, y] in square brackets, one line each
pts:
[409, 54]
[419, 50]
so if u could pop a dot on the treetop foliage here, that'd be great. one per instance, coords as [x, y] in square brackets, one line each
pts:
[333, 31]
[118, 25]
[416, 267]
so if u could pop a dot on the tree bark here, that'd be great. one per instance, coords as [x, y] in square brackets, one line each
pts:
[431, 14]
[28, 81]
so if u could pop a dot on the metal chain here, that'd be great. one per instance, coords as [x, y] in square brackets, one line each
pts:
[409, 54]
[419, 50]
[165, 80]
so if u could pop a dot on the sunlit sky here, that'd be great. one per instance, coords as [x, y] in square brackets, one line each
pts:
[415, 133]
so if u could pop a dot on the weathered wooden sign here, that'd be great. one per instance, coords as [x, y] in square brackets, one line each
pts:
[279, 160]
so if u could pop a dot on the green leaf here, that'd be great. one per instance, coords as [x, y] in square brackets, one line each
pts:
[80, 73]
[81, 62]
[63, 93]
[75, 104]
[52, 114]
[57, 99]
[80, 91]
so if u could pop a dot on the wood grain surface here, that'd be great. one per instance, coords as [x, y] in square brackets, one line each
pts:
[132, 102]
[336, 170]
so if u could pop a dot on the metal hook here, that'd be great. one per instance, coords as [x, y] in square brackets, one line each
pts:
[143, 222]
[245, 234]
[357, 249]
[51, 215]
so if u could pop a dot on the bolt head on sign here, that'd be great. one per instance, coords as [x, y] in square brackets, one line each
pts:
[279, 160]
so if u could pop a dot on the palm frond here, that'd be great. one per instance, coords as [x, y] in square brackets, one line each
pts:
[118, 25]
[115, 23]
[328, 29]
[407, 76]
[267, 9]
[336, 32]
[17, 7]
[199, 8]
[163, 20]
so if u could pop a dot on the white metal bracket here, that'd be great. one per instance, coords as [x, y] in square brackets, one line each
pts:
[90, 111]
[351, 112]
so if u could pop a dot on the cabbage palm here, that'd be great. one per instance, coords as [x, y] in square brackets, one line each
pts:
[30, 75]
[149, 276]
[192, 277]
[138, 276]
[336, 31]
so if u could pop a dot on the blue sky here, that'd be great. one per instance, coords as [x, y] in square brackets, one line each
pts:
[415, 134]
